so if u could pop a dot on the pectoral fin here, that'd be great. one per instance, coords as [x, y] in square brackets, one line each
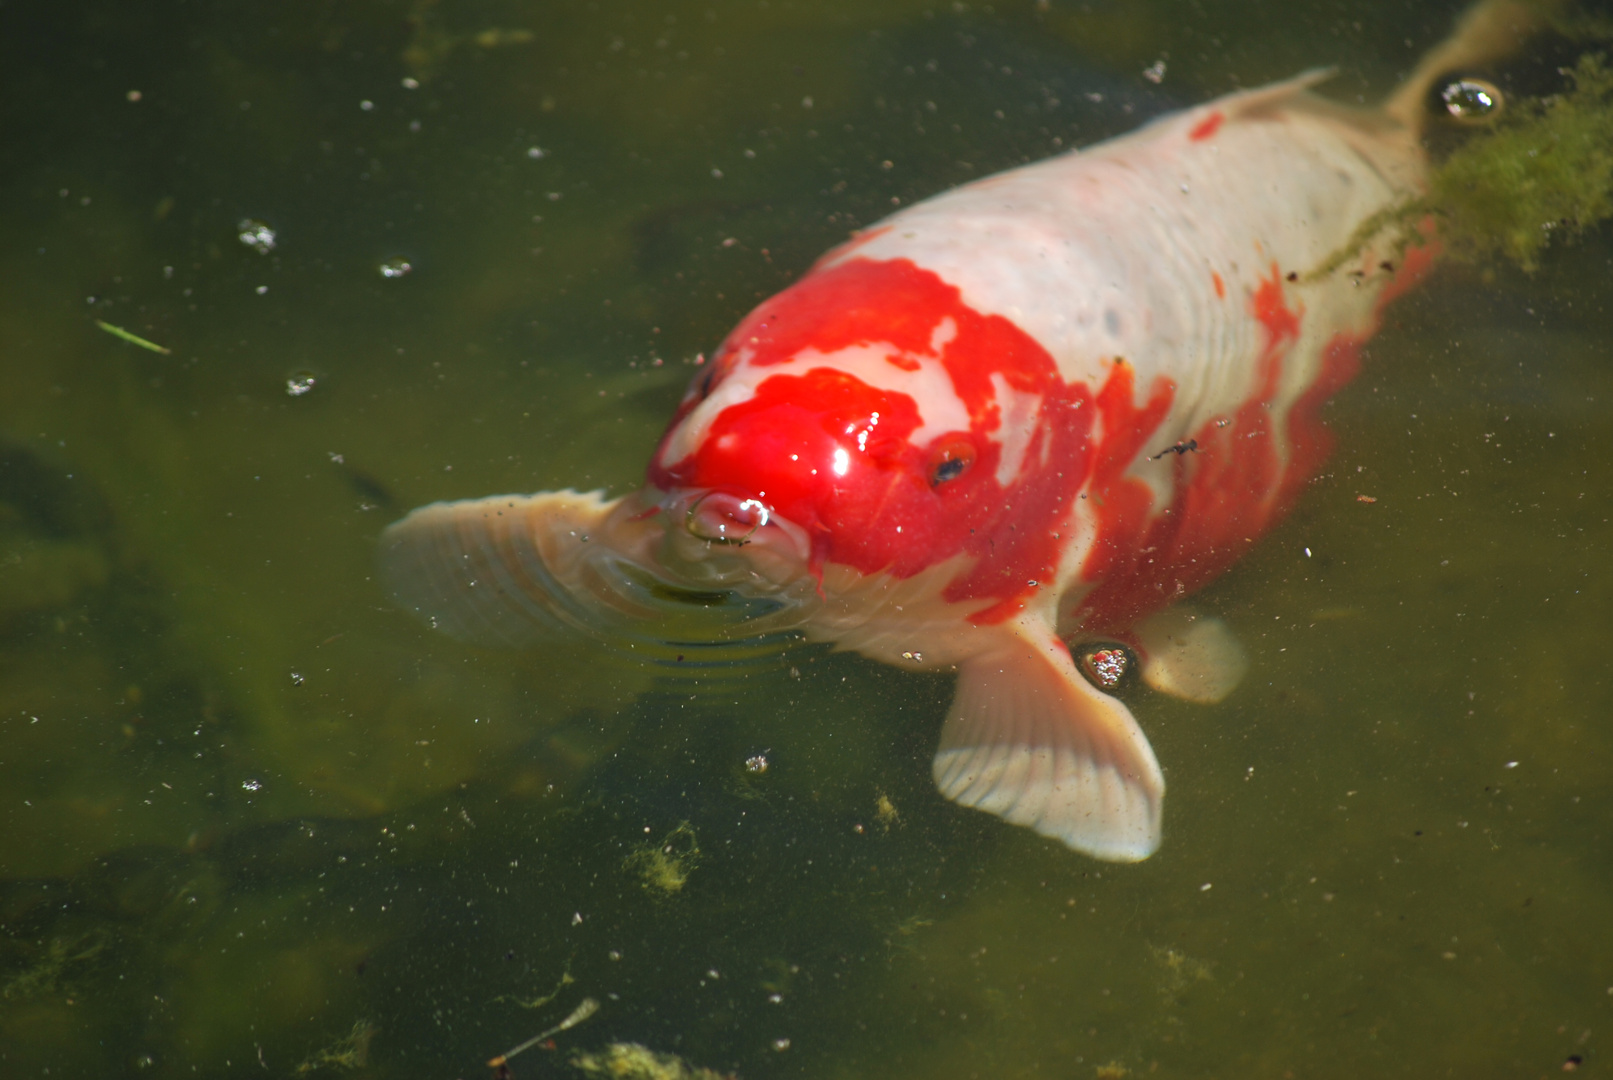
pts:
[512, 570]
[1191, 656]
[1030, 740]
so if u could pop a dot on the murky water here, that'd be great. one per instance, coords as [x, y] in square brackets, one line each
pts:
[256, 822]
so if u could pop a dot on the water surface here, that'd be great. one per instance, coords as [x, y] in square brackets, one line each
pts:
[259, 822]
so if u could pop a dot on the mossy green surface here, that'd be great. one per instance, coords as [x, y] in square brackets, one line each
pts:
[1544, 173]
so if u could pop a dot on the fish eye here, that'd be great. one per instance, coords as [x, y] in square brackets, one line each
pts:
[704, 382]
[949, 460]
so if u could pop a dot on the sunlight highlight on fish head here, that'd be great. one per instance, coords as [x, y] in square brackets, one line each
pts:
[816, 455]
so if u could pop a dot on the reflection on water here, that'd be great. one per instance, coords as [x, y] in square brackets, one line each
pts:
[257, 821]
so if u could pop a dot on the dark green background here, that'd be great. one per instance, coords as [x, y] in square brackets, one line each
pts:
[247, 806]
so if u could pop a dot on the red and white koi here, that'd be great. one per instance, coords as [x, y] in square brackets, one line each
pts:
[951, 443]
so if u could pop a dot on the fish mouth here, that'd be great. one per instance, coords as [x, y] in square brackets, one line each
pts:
[653, 566]
[720, 518]
[717, 539]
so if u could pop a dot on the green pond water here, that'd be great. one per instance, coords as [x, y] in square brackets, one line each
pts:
[256, 822]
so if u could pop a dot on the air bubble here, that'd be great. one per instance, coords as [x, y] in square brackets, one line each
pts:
[256, 235]
[1107, 665]
[1472, 101]
[300, 382]
[251, 785]
[395, 268]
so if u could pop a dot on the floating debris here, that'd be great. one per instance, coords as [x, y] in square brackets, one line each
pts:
[885, 811]
[45, 975]
[395, 268]
[256, 235]
[566, 980]
[133, 339]
[665, 867]
[582, 1012]
[351, 1051]
[299, 383]
[630, 1061]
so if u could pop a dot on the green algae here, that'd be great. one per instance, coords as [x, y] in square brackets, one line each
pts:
[351, 1051]
[665, 867]
[1543, 173]
[630, 1061]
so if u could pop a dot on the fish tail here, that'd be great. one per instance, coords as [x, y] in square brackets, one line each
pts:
[1489, 31]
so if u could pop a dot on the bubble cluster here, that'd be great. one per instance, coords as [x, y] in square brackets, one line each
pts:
[256, 235]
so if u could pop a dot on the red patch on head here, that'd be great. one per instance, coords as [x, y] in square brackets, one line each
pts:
[1206, 127]
[944, 497]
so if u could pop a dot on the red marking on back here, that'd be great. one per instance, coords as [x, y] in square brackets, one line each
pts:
[1220, 286]
[1226, 491]
[1237, 484]
[1122, 503]
[1270, 307]
[1206, 127]
[883, 482]
[902, 362]
[1309, 441]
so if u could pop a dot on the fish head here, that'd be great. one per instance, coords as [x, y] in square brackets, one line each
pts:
[886, 428]
[810, 460]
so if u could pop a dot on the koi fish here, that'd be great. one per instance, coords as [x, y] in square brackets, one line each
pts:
[1027, 415]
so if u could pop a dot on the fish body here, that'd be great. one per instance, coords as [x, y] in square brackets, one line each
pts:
[1034, 411]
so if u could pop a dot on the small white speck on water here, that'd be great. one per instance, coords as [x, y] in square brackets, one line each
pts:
[1206, 887]
[256, 235]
